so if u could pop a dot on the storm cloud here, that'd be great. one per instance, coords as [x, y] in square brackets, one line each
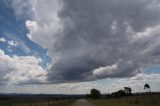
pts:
[96, 39]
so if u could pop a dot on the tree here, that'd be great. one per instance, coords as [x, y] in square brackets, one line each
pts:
[147, 87]
[119, 93]
[94, 93]
[127, 90]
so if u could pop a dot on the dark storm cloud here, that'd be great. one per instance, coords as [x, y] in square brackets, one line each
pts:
[100, 34]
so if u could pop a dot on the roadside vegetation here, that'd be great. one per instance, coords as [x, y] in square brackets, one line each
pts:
[67, 102]
[128, 101]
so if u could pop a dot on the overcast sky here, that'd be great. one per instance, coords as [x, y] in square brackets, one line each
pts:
[71, 46]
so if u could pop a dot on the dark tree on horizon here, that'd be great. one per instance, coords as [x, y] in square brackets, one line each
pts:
[147, 87]
[127, 90]
[94, 93]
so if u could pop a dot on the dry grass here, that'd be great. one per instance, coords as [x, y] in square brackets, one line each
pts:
[39, 103]
[129, 101]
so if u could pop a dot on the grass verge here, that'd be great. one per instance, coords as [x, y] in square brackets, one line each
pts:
[68, 102]
[128, 101]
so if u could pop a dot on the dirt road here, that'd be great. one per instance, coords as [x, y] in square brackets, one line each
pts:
[82, 102]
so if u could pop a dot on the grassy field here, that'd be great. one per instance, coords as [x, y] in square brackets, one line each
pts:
[38, 103]
[129, 101]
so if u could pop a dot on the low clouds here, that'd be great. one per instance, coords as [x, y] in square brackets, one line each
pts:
[20, 70]
[136, 83]
[117, 70]
[99, 39]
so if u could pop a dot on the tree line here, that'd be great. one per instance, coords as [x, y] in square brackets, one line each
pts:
[127, 91]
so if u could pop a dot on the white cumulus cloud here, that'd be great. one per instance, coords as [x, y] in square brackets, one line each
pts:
[20, 69]
[2, 40]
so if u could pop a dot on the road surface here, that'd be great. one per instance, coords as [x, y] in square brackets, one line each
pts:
[82, 102]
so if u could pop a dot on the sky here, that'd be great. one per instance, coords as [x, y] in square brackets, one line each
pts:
[72, 46]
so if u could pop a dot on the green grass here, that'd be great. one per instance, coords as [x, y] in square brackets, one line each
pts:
[128, 101]
[39, 103]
